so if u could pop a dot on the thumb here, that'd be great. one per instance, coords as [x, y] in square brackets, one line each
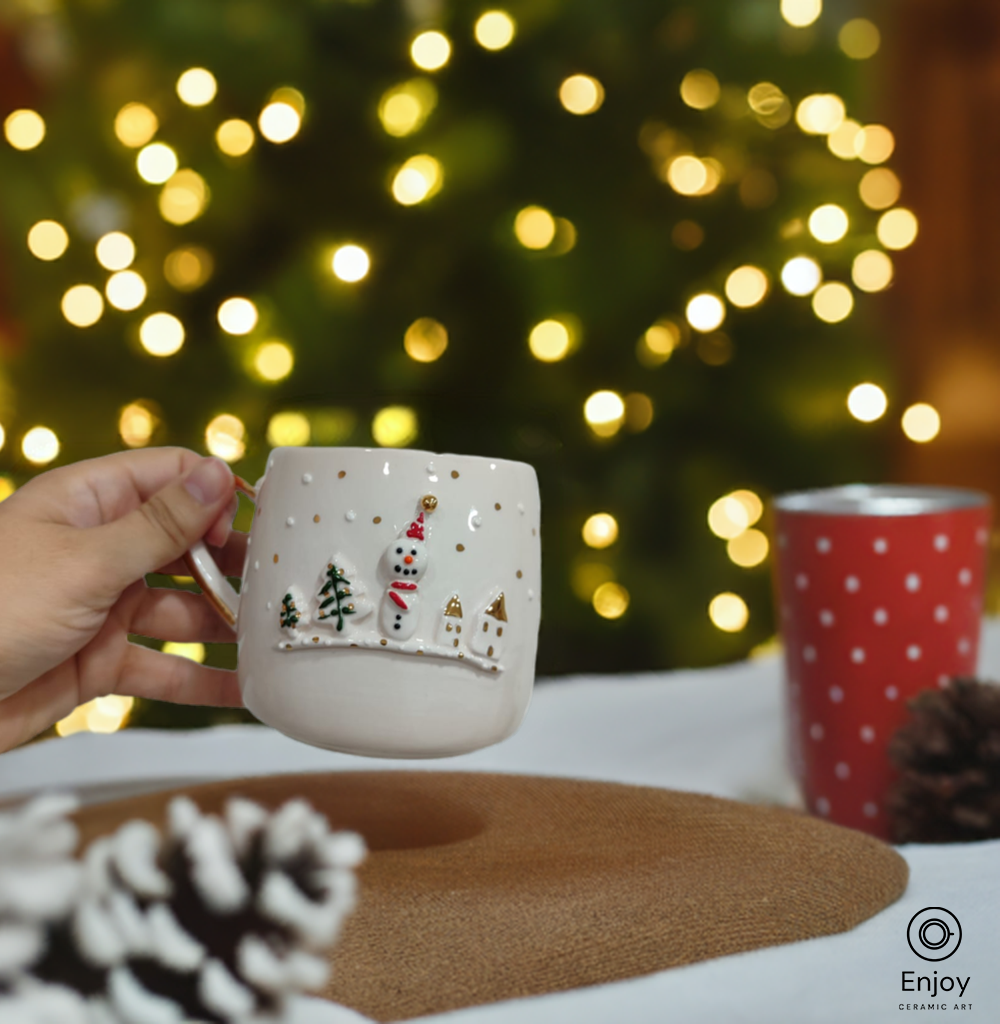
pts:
[164, 527]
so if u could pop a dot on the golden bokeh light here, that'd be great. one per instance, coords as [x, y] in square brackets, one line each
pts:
[136, 424]
[581, 94]
[135, 125]
[403, 109]
[752, 504]
[235, 137]
[872, 270]
[867, 402]
[842, 141]
[748, 549]
[24, 129]
[535, 227]
[179, 649]
[156, 163]
[800, 13]
[125, 290]
[833, 302]
[225, 437]
[769, 104]
[237, 315]
[3, 437]
[747, 286]
[820, 114]
[115, 250]
[874, 144]
[47, 240]
[586, 576]
[604, 412]
[639, 412]
[700, 89]
[418, 179]
[728, 612]
[610, 600]
[600, 530]
[859, 39]
[494, 30]
[40, 445]
[828, 223]
[657, 344]
[188, 268]
[290, 95]
[687, 175]
[82, 305]
[430, 51]
[550, 340]
[273, 360]
[879, 188]
[395, 426]
[101, 715]
[425, 340]
[921, 423]
[801, 275]
[161, 334]
[705, 312]
[728, 517]
[184, 197]
[288, 430]
[350, 263]
[279, 122]
[7, 487]
[197, 87]
[897, 228]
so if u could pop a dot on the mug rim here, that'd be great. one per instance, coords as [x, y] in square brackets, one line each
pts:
[377, 450]
[881, 500]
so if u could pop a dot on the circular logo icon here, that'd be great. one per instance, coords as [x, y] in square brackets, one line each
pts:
[934, 933]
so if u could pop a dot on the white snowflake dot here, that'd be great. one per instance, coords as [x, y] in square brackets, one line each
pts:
[858, 655]
[881, 616]
[913, 652]
[822, 806]
[826, 618]
[531, 595]
[802, 581]
[941, 542]
[836, 694]
[270, 605]
[816, 731]
[823, 545]
[290, 521]
[307, 478]
[912, 582]
[521, 508]
[965, 577]
[477, 520]
[870, 810]
[982, 535]
[782, 540]
[964, 646]
[943, 682]
[350, 515]
[891, 692]
[256, 563]
[868, 734]
[809, 653]
[941, 613]
[842, 770]
[881, 545]
[852, 584]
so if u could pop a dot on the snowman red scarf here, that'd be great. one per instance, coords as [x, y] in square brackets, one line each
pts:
[399, 585]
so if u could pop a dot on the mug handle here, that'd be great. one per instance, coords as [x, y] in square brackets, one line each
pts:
[214, 585]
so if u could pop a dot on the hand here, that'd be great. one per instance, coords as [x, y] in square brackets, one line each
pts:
[75, 544]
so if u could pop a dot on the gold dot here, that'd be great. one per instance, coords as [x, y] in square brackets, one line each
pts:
[454, 474]
[420, 652]
[459, 547]
[458, 629]
[383, 642]
[499, 630]
[428, 502]
[489, 651]
[275, 559]
[455, 643]
[519, 574]
[497, 506]
[448, 628]
[486, 627]
[315, 639]
[354, 645]
[342, 474]
[460, 654]
[493, 668]
[534, 532]
[377, 519]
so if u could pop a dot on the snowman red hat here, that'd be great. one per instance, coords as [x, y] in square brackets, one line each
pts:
[416, 530]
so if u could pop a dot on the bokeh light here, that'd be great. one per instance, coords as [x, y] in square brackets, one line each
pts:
[770, 105]
[550, 340]
[828, 223]
[224, 437]
[494, 30]
[47, 240]
[101, 715]
[700, 89]
[874, 144]
[288, 430]
[728, 517]
[136, 423]
[800, 13]
[115, 250]
[418, 179]
[581, 94]
[921, 422]
[184, 197]
[748, 548]
[237, 315]
[279, 122]
[161, 334]
[657, 344]
[425, 340]
[135, 125]
[801, 275]
[82, 305]
[842, 141]
[604, 412]
[24, 129]
[728, 612]
[125, 290]
[687, 175]
[600, 530]
[639, 411]
[820, 114]
[156, 163]
[7, 487]
[40, 445]
[833, 302]
[395, 426]
[872, 270]
[188, 268]
[430, 51]
[535, 227]
[350, 263]
[746, 286]
[403, 109]
[859, 38]
[897, 228]
[197, 87]
[751, 503]
[235, 137]
[879, 188]
[273, 360]
[867, 402]
[179, 649]
[611, 600]
[705, 312]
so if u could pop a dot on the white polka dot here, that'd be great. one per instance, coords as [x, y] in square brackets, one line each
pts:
[256, 564]
[913, 652]
[802, 581]
[943, 682]
[809, 654]
[290, 521]
[982, 535]
[842, 770]
[823, 545]
[270, 605]
[965, 577]
[836, 694]
[826, 618]
[477, 521]
[816, 731]
[870, 810]
[891, 692]
[852, 584]
[307, 478]
[782, 540]
[964, 646]
[867, 734]
[941, 542]
[858, 655]
[521, 508]
[350, 515]
[881, 616]
[822, 806]
[913, 582]
[941, 613]
[881, 545]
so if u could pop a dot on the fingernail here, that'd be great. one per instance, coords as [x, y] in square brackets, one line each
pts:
[209, 481]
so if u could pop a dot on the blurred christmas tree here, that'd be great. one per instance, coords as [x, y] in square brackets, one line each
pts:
[622, 241]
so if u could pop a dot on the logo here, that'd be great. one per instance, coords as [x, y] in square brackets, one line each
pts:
[934, 933]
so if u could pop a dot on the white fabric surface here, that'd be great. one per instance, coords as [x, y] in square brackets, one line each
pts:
[715, 731]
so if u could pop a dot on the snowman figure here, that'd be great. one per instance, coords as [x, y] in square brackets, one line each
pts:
[405, 562]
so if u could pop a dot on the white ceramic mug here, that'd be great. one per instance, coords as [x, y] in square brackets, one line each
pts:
[390, 599]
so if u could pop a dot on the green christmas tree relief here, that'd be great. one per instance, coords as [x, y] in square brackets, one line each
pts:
[289, 616]
[333, 596]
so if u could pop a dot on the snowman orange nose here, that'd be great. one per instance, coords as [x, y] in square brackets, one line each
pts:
[408, 559]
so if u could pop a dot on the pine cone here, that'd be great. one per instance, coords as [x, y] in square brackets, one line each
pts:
[948, 758]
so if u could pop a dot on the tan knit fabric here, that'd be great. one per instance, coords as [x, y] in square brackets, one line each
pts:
[489, 887]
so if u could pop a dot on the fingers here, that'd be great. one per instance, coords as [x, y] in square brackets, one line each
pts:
[179, 615]
[219, 531]
[163, 527]
[229, 557]
[158, 676]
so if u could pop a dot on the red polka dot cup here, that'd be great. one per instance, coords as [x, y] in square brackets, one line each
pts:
[880, 596]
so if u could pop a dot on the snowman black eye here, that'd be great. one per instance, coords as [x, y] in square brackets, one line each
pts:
[399, 551]
[399, 568]
[414, 551]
